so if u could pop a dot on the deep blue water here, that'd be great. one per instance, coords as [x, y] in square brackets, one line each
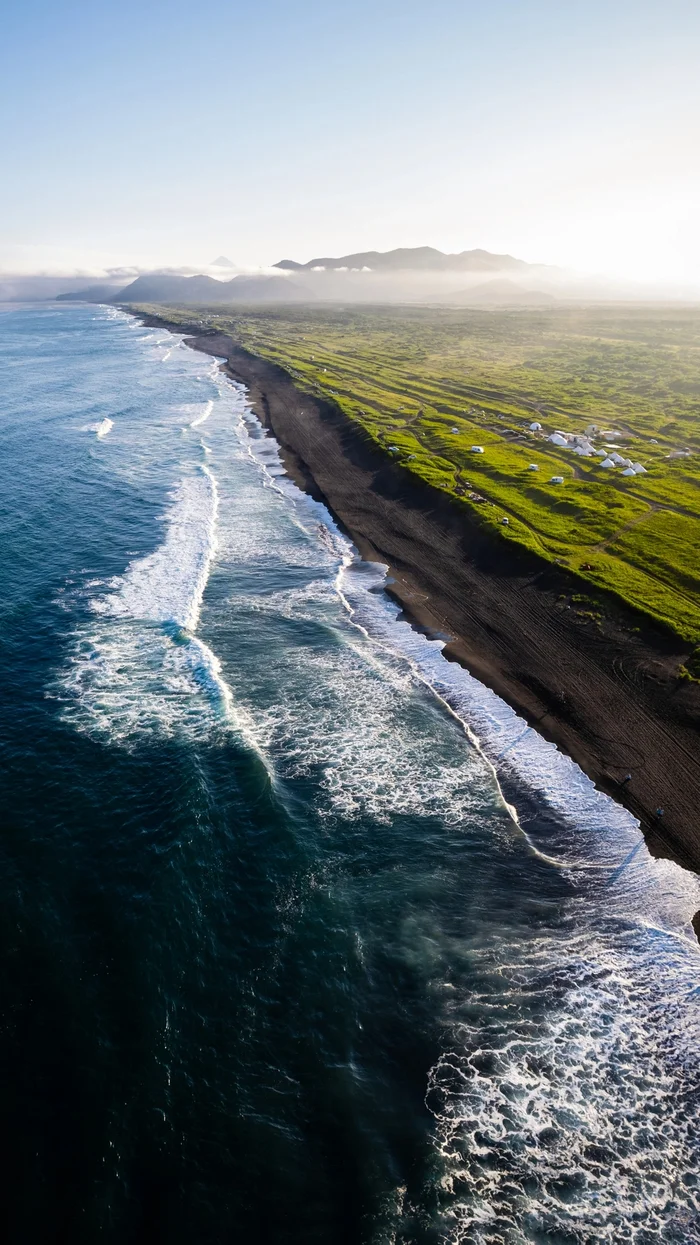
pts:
[278, 962]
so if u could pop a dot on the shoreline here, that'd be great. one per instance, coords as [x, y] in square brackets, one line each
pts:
[603, 699]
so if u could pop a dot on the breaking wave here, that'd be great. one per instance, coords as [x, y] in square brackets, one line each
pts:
[201, 419]
[138, 666]
[100, 429]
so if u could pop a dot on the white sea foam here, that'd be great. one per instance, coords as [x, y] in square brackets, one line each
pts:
[100, 429]
[326, 713]
[139, 667]
[354, 728]
[203, 417]
[564, 1100]
[167, 586]
[591, 834]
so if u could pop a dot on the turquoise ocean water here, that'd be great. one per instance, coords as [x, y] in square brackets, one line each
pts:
[305, 937]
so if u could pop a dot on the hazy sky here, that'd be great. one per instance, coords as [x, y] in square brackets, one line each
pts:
[158, 133]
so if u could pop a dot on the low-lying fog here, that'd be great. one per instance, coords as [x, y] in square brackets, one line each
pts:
[519, 284]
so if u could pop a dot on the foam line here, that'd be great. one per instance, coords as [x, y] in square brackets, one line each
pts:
[167, 586]
[201, 419]
[594, 835]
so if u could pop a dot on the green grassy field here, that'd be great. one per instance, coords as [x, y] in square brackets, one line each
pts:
[411, 376]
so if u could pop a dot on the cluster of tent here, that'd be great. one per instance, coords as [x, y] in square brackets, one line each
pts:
[630, 468]
[582, 444]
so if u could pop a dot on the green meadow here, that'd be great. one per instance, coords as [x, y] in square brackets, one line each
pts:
[428, 384]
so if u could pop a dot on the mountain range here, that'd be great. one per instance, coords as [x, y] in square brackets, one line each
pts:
[404, 275]
[411, 259]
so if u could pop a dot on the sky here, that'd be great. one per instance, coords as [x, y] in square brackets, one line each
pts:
[153, 134]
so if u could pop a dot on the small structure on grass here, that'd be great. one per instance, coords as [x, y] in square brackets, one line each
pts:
[557, 480]
[477, 449]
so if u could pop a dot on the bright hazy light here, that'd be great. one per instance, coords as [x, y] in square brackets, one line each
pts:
[142, 136]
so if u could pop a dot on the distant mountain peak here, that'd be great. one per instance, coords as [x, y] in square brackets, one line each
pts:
[222, 262]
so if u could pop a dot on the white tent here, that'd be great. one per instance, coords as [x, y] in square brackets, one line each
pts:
[477, 449]
[535, 427]
[629, 471]
[557, 480]
[533, 467]
[607, 462]
[557, 439]
[639, 470]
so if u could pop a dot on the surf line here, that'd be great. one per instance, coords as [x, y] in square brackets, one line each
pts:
[345, 552]
[347, 558]
[211, 664]
[346, 561]
[294, 488]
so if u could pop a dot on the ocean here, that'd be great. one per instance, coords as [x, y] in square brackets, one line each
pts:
[305, 936]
